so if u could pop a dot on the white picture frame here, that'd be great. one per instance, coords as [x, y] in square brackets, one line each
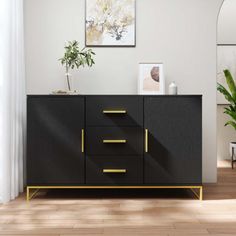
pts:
[151, 79]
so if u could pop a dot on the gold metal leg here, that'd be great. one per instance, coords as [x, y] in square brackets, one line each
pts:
[28, 196]
[198, 195]
[201, 194]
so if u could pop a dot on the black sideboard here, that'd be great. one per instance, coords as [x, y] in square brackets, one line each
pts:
[114, 141]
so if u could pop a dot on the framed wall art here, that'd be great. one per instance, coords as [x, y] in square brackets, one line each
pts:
[110, 23]
[151, 78]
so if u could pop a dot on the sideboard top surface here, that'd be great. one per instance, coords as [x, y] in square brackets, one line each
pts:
[114, 95]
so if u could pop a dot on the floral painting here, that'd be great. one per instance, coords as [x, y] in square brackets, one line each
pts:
[110, 22]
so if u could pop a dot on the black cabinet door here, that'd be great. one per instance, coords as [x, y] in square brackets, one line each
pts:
[54, 140]
[174, 154]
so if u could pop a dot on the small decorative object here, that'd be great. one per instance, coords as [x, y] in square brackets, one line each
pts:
[173, 89]
[110, 23]
[151, 78]
[75, 58]
[63, 92]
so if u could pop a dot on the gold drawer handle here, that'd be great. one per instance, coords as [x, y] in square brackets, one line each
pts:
[114, 141]
[116, 171]
[114, 111]
[82, 140]
[146, 140]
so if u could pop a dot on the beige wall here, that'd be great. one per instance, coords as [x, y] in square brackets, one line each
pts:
[226, 35]
[179, 33]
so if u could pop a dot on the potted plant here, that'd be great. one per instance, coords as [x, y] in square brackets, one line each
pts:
[230, 96]
[74, 57]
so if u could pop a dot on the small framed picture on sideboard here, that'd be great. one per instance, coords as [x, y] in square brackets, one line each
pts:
[151, 78]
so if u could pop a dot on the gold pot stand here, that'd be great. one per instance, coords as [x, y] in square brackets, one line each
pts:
[36, 189]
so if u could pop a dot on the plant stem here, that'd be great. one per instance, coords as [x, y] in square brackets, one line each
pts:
[67, 77]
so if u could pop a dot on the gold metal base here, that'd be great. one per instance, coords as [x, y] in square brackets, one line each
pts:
[28, 196]
[198, 195]
[37, 189]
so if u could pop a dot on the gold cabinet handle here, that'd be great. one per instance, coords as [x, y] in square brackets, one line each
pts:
[115, 171]
[114, 111]
[114, 141]
[146, 140]
[82, 140]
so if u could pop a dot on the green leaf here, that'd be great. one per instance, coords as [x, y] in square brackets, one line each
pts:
[227, 95]
[232, 108]
[230, 113]
[232, 123]
[230, 83]
[227, 109]
[74, 57]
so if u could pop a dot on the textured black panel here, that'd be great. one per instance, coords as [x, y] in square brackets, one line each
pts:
[54, 140]
[96, 164]
[96, 135]
[175, 140]
[132, 104]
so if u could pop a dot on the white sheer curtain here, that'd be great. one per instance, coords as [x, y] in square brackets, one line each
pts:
[12, 99]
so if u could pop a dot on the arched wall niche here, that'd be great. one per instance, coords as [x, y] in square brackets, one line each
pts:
[226, 59]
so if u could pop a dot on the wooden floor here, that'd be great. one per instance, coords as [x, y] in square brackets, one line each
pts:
[153, 212]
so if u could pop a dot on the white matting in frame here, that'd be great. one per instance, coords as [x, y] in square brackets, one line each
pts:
[151, 78]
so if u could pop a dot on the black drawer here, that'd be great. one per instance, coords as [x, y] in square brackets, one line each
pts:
[116, 170]
[114, 141]
[112, 110]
